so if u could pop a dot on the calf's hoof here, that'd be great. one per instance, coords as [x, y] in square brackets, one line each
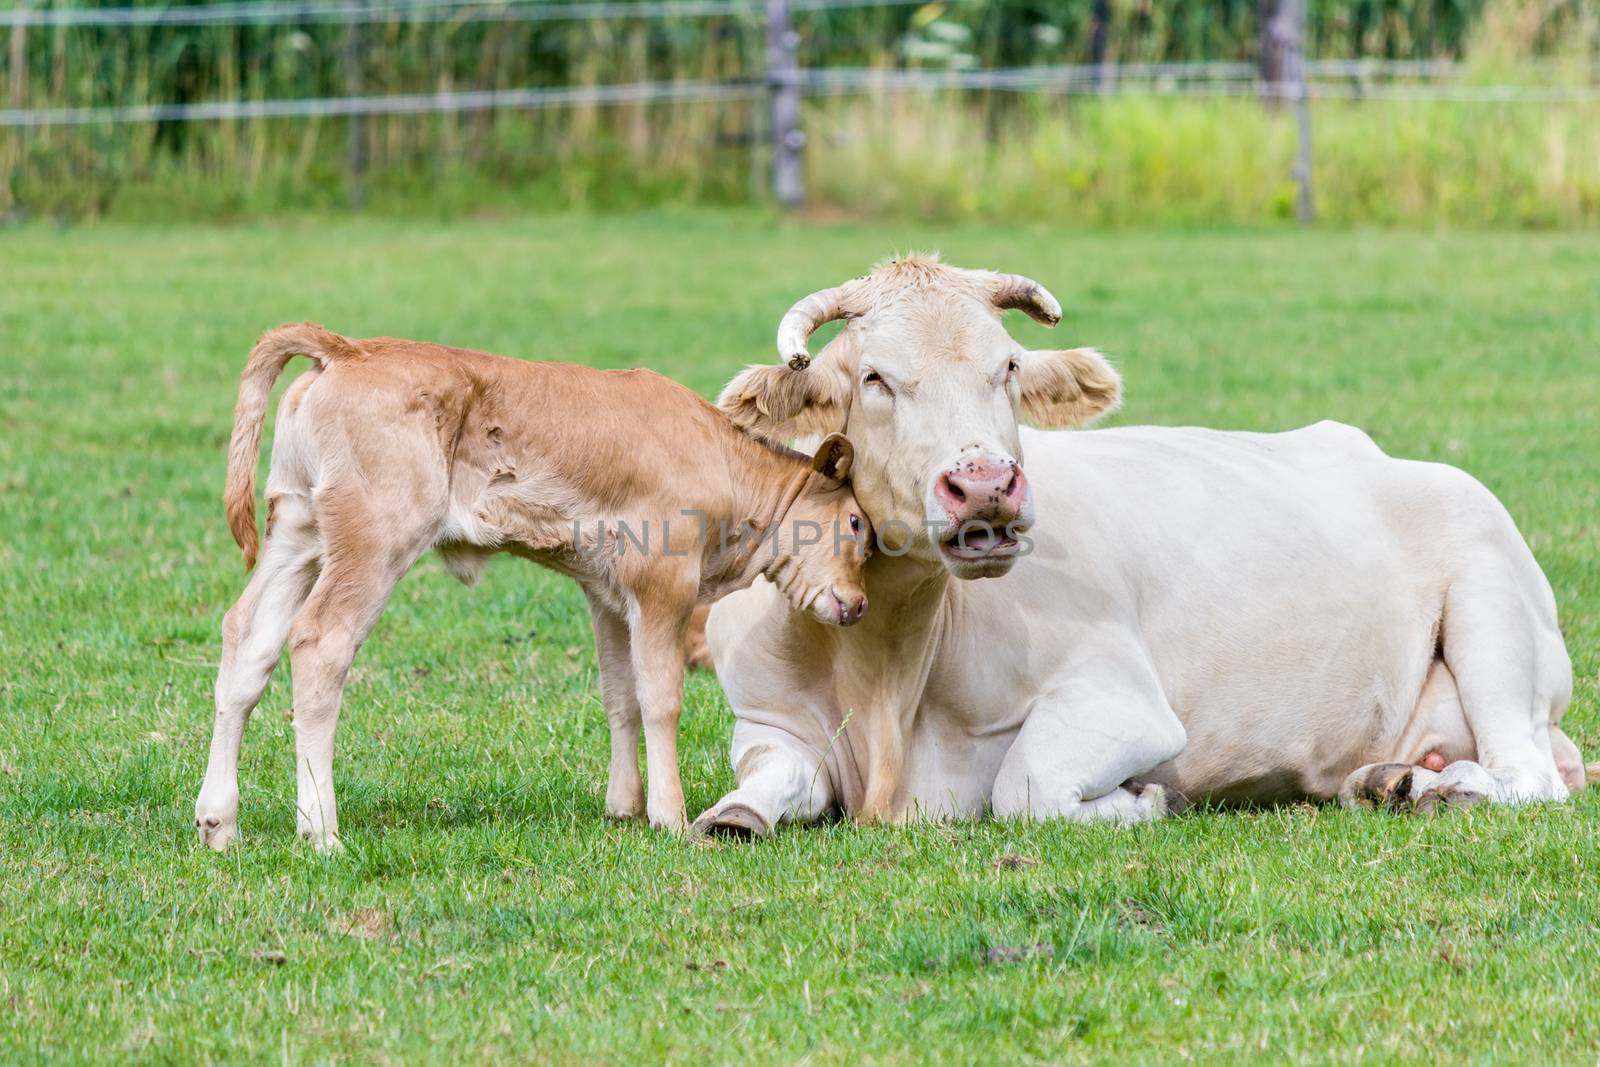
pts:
[672, 822]
[733, 820]
[323, 842]
[216, 817]
[216, 831]
[626, 810]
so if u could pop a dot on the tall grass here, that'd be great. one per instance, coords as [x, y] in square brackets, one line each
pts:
[958, 155]
[1124, 160]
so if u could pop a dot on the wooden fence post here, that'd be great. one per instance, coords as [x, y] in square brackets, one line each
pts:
[1283, 68]
[783, 82]
[18, 89]
[17, 96]
[1100, 22]
[355, 147]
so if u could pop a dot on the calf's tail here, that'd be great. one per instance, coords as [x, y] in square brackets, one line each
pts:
[267, 360]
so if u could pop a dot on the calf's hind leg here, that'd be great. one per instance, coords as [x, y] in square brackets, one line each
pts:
[624, 790]
[359, 572]
[253, 635]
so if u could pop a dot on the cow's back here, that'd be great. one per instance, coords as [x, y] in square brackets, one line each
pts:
[1270, 579]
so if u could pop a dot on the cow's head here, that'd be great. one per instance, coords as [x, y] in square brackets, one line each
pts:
[928, 386]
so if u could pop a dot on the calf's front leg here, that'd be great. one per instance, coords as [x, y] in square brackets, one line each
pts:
[656, 633]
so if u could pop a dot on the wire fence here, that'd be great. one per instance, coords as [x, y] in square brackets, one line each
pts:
[1199, 80]
[782, 80]
[360, 12]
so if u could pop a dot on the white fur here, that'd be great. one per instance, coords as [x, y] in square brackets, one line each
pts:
[1233, 615]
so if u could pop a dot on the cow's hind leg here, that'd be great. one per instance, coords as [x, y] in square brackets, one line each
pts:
[1387, 786]
[1484, 728]
[253, 635]
[1569, 762]
[1510, 666]
[1435, 736]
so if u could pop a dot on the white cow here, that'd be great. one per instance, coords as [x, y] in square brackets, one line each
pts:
[1202, 615]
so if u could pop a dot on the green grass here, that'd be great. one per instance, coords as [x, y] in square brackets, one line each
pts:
[485, 911]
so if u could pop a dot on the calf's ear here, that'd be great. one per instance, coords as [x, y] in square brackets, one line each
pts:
[833, 458]
[1068, 387]
[779, 402]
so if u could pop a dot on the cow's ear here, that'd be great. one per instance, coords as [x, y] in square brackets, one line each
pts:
[779, 402]
[1068, 387]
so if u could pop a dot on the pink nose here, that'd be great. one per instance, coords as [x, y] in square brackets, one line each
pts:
[982, 490]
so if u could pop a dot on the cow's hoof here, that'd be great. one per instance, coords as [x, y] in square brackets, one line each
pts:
[1378, 785]
[732, 820]
[1152, 798]
[215, 831]
[1443, 797]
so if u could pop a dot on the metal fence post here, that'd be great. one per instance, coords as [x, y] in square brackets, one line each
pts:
[355, 148]
[783, 82]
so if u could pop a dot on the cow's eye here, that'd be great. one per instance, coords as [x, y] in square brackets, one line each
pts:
[1013, 369]
[874, 380]
[855, 524]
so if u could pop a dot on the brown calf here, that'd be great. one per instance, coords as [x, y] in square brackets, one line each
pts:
[624, 480]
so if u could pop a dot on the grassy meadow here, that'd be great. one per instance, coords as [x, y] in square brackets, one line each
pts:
[484, 911]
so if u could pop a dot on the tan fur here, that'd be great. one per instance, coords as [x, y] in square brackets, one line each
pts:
[267, 360]
[1071, 387]
[785, 402]
[398, 446]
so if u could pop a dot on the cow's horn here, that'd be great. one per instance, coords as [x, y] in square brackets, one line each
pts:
[794, 331]
[1025, 294]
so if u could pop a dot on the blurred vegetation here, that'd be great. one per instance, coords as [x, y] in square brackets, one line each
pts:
[959, 155]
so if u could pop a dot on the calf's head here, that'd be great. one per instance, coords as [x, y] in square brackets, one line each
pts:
[929, 387]
[820, 544]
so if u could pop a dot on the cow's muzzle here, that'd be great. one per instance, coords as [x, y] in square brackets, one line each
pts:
[986, 505]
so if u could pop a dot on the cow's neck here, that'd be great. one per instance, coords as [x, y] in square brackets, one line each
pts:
[884, 665]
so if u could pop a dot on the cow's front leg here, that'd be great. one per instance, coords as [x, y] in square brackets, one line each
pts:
[780, 778]
[1084, 742]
